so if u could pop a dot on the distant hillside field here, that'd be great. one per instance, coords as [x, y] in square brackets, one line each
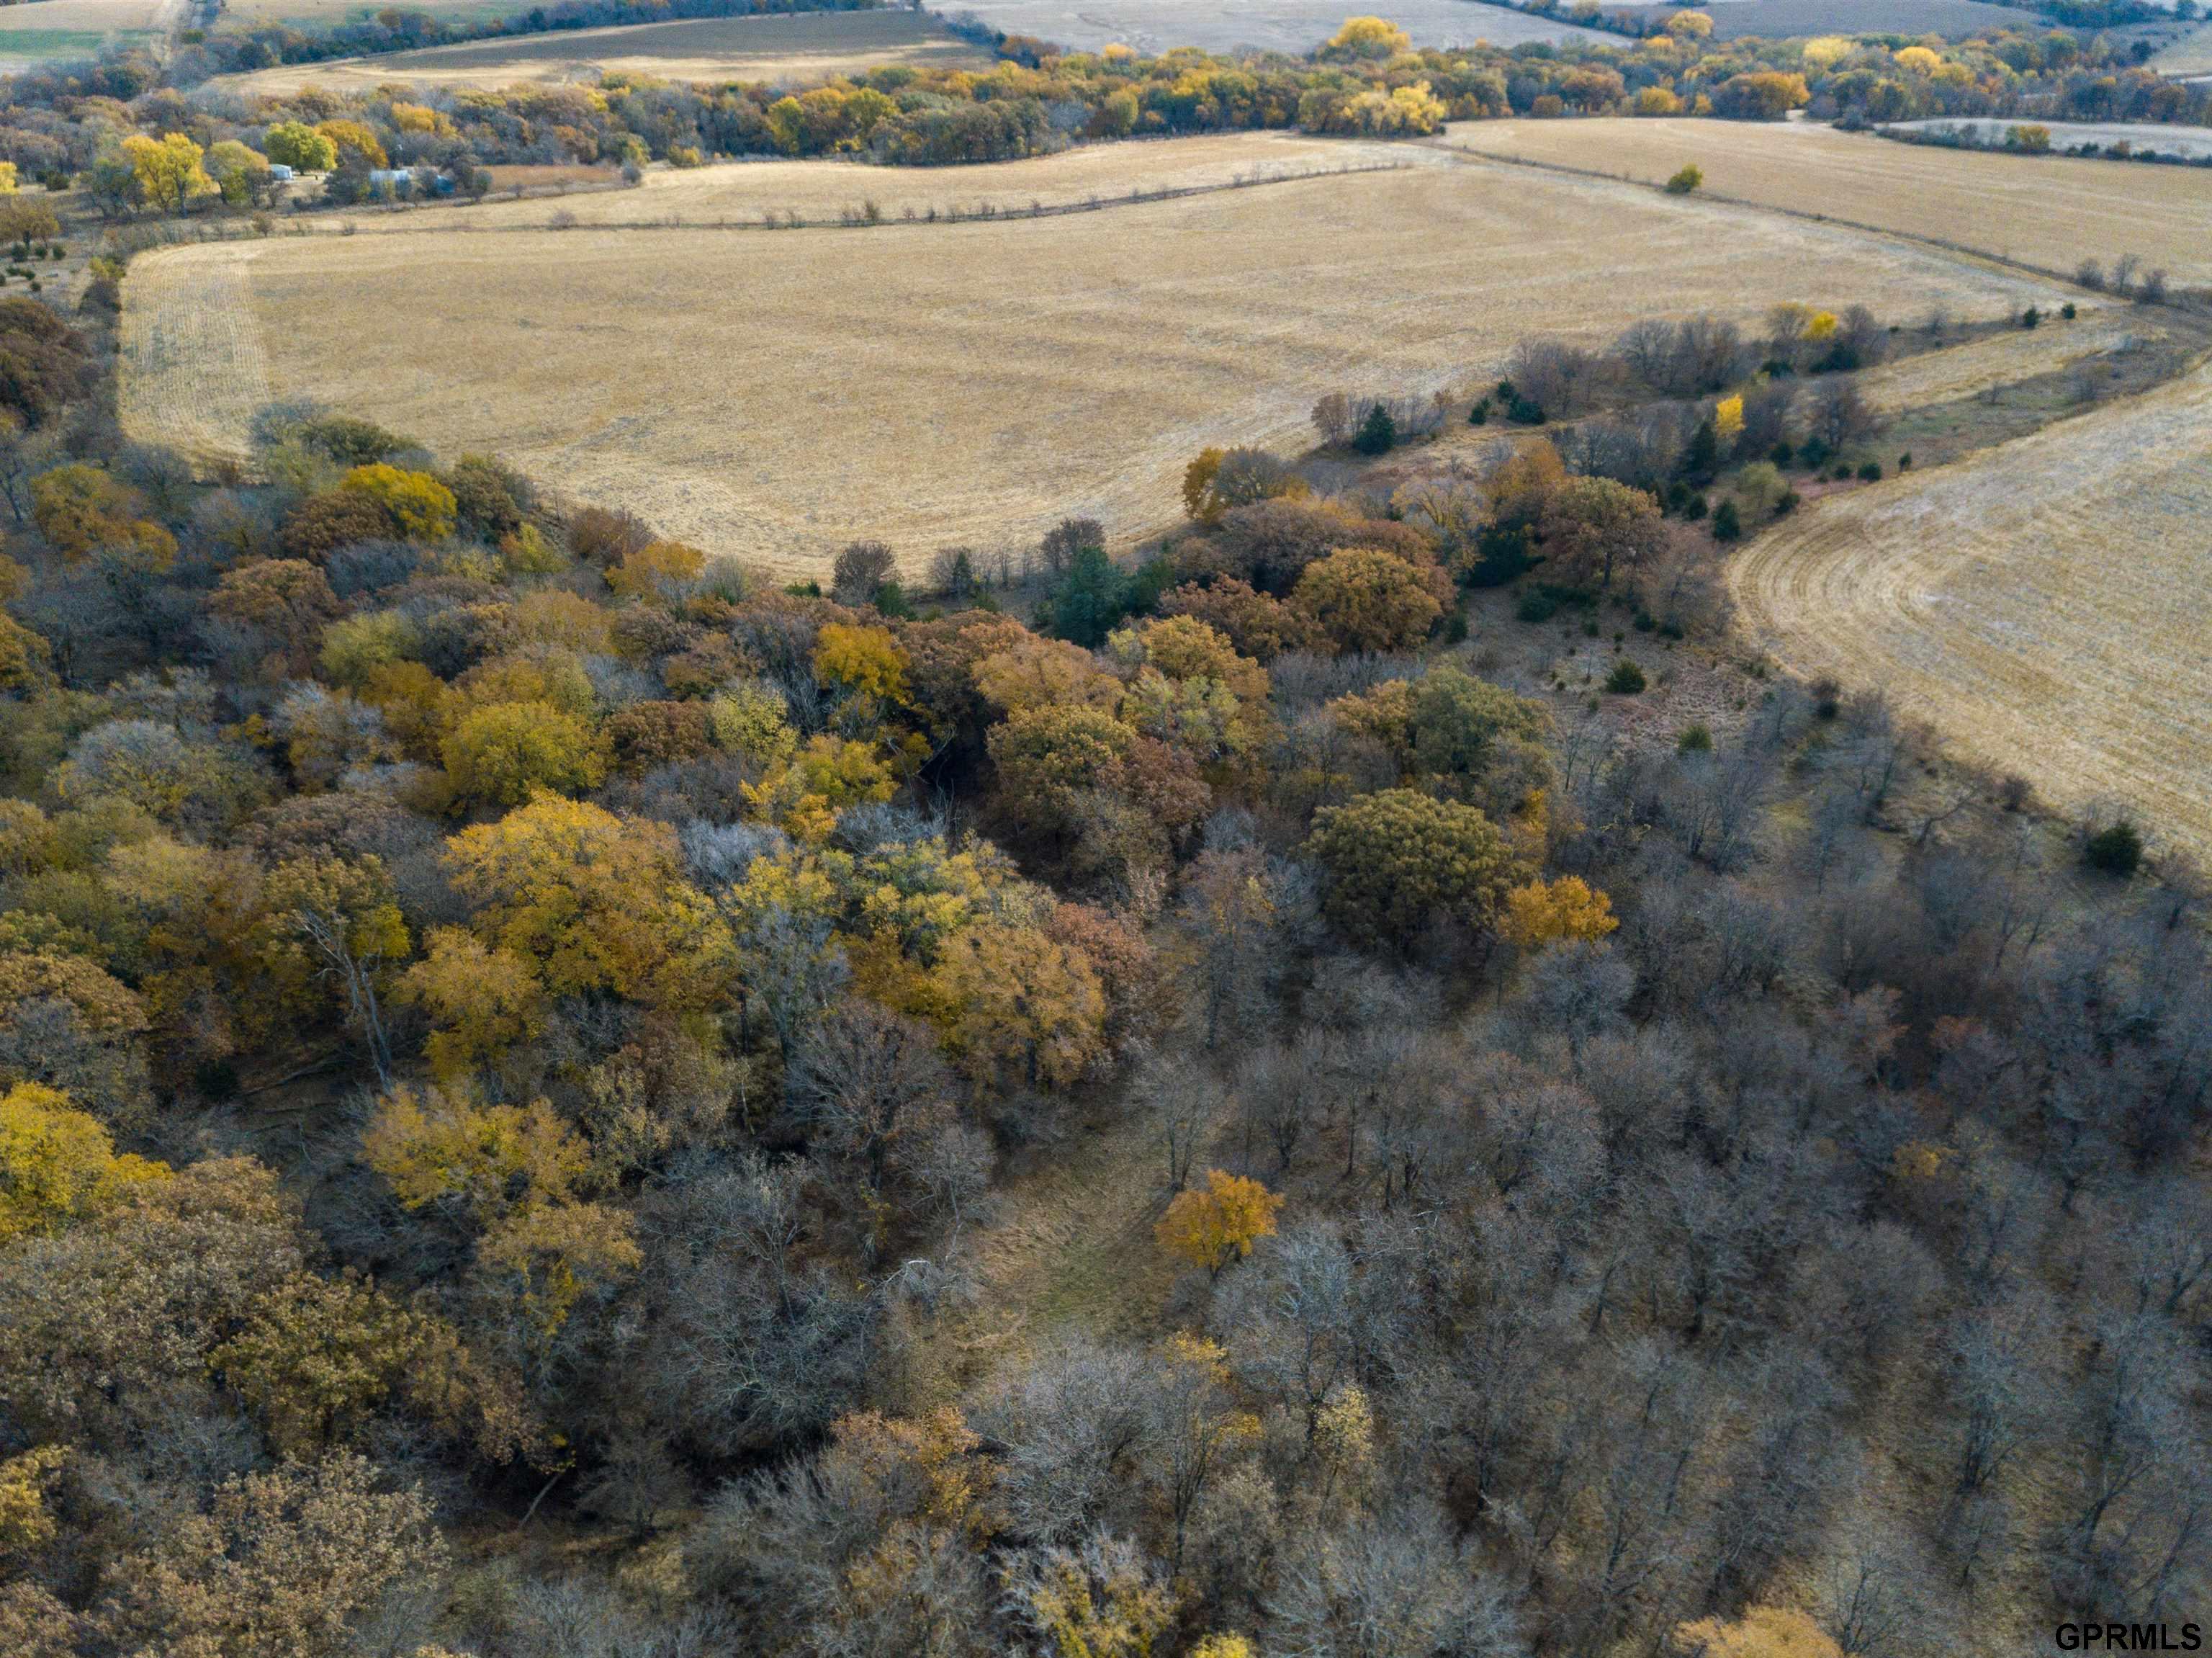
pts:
[2189, 56]
[802, 47]
[1733, 20]
[775, 394]
[327, 14]
[51, 29]
[1297, 26]
[2052, 211]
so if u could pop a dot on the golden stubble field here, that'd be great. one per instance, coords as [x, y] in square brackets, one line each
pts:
[775, 395]
[2051, 211]
[801, 47]
[2001, 359]
[741, 193]
[2043, 603]
[79, 28]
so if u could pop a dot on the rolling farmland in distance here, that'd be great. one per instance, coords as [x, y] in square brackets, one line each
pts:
[803, 47]
[775, 395]
[2051, 211]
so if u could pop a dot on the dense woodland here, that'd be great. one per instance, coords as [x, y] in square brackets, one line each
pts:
[80, 122]
[516, 1033]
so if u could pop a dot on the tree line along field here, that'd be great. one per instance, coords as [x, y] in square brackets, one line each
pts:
[2050, 211]
[2042, 602]
[775, 395]
[2192, 143]
[1736, 20]
[808, 48]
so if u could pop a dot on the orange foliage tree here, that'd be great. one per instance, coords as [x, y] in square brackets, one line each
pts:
[1220, 1224]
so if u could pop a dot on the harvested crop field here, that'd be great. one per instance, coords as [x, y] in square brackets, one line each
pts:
[2051, 211]
[1297, 26]
[2001, 359]
[53, 30]
[775, 395]
[2043, 603]
[749, 192]
[803, 47]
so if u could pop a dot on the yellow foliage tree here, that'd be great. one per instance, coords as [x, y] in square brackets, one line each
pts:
[821, 780]
[1344, 1441]
[58, 1164]
[421, 117]
[1009, 998]
[1543, 913]
[1034, 673]
[1368, 36]
[83, 509]
[1099, 1601]
[1820, 325]
[1198, 499]
[596, 902]
[549, 1256]
[867, 660]
[1728, 418]
[435, 1146]
[1370, 599]
[659, 568]
[753, 721]
[482, 1002]
[423, 508]
[352, 138]
[1825, 51]
[24, 1522]
[537, 674]
[1212, 1228]
[504, 753]
[933, 1453]
[1224, 1645]
[168, 169]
